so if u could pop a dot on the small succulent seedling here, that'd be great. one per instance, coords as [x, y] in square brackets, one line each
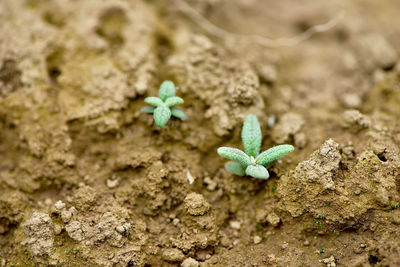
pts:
[252, 163]
[163, 105]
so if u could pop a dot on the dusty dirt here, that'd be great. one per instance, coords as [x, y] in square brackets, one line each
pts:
[86, 180]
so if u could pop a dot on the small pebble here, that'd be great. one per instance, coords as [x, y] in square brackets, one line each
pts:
[226, 241]
[57, 229]
[273, 219]
[234, 225]
[202, 255]
[190, 262]
[123, 228]
[257, 239]
[120, 229]
[112, 183]
[59, 205]
[271, 121]
[268, 72]
[329, 262]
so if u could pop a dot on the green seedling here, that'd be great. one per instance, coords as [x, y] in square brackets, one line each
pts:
[163, 106]
[251, 162]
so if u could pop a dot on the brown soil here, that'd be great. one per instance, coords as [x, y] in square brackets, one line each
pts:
[87, 180]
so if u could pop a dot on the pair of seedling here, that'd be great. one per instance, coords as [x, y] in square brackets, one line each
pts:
[251, 162]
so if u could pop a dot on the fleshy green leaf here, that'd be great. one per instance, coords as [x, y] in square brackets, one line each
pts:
[174, 100]
[167, 89]
[162, 115]
[178, 113]
[234, 154]
[251, 136]
[269, 164]
[269, 156]
[235, 168]
[154, 101]
[147, 109]
[257, 171]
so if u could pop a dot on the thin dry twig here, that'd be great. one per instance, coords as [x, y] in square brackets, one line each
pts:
[262, 40]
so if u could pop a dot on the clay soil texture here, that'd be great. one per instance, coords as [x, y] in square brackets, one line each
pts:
[88, 180]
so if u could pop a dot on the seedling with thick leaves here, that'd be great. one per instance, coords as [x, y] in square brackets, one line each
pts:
[252, 162]
[163, 106]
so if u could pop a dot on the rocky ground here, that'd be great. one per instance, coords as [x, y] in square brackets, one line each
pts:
[87, 180]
